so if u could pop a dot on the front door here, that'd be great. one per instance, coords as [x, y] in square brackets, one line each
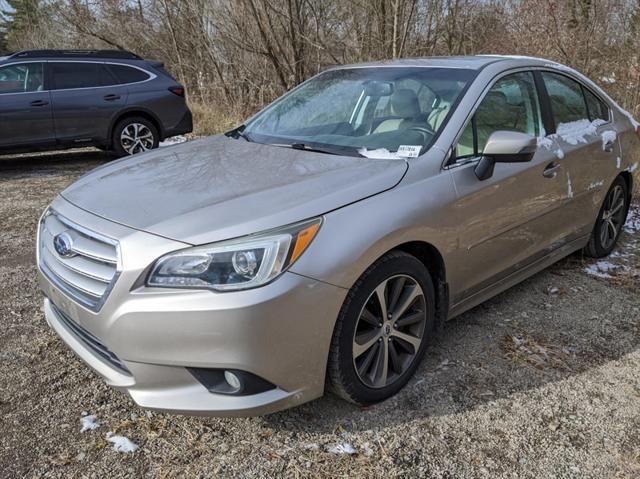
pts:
[25, 107]
[510, 219]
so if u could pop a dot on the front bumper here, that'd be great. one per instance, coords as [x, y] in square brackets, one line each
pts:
[280, 332]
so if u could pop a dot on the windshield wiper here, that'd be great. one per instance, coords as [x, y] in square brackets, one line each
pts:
[305, 147]
[238, 132]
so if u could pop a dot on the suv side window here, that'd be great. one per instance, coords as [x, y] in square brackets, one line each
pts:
[69, 75]
[21, 78]
[567, 101]
[511, 104]
[125, 74]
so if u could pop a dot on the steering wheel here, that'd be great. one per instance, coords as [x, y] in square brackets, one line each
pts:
[427, 132]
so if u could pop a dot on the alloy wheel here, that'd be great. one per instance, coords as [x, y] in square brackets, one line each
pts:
[612, 217]
[389, 331]
[136, 138]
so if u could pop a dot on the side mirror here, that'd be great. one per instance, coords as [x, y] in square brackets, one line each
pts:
[505, 147]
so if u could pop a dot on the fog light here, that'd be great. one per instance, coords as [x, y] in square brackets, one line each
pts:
[232, 380]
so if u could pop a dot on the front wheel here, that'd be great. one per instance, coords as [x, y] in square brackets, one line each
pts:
[611, 218]
[134, 135]
[382, 331]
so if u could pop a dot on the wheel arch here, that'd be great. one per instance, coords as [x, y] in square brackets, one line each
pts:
[133, 112]
[433, 261]
[628, 178]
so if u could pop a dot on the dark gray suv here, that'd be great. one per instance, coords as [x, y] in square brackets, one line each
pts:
[115, 100]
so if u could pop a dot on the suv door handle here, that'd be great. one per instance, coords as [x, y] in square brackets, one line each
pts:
[111, 97]
[39, 103]
[551, 170]
[608, 146]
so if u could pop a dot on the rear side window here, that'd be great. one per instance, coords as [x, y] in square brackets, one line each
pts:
[125, 74]
[597, 108]
[79, 75]
[567, 100]
[22, 78]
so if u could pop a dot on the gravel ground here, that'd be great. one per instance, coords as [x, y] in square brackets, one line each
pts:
[541, 381]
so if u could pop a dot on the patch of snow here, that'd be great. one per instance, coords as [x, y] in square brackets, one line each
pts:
[610, 79]
[608, 137]
[632, 225]
[569, 187]
[379, 154]
[121, 443]
[544, 142]
[175, 140]
[632, 168]
[575, 132]
[344, 448]
[559, 154]
[367, 450]
[618, 162]
[89, 423]
[602, 269]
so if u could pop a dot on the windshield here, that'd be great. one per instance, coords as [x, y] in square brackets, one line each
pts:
[385, 111]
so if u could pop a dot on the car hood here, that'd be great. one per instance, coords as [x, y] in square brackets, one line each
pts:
[219, 188]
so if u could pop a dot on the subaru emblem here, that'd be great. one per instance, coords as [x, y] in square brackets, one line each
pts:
[63, 244]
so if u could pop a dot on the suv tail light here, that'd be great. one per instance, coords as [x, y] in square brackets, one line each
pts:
[177, 90]
[638, 131]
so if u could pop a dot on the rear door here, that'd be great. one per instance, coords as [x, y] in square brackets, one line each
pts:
[510, 219]
[85, 97]
[587, 140]
[25, 106]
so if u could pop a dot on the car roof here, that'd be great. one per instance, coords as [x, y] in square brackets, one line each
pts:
[84, 55]
[472, 62]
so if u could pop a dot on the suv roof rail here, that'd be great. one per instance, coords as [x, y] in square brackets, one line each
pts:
[122, 54]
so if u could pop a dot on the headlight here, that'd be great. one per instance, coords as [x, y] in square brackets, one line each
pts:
[236, 264]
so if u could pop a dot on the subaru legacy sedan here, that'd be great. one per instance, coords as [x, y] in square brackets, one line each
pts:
[321, 244]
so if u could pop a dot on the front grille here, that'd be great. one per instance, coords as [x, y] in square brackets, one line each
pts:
[88, 272]
[89, 340]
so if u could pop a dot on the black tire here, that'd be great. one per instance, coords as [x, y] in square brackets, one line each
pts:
[344, 378]
[599, 245]
[121, 148]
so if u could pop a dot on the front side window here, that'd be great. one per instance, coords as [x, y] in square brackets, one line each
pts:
[511, 104]
[72, 75]
[566, 97]
[21, 78]
[348, 110]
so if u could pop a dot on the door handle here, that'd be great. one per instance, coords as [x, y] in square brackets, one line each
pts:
[111, 97]
[39, 103]
[608, 146]
[551, 170]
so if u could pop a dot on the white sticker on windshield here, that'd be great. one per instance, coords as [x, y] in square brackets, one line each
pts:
[409, 151]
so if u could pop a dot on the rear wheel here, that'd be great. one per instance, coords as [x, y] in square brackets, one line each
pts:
[383, 329]
[134, 135]
[611, 218]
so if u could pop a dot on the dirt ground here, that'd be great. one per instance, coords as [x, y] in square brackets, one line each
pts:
[542, 381]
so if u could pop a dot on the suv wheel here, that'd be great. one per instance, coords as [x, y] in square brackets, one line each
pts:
[382, 331]
[134, 135]
[611, 218]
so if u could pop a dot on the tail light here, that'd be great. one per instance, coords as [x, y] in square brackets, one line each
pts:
[177, 90]
[638, 131]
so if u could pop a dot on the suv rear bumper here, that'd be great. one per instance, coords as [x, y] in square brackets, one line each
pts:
[184, 126]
